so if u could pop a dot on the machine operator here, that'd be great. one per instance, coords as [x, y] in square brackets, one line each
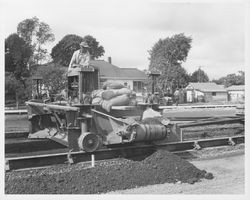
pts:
[80, 57]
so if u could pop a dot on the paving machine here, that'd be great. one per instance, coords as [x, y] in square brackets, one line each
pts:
[80, 125]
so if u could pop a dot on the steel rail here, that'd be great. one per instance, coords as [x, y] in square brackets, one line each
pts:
[199, 106]
[111, 153]
[29, 145]
[23, 111]
[16, 134]
[212, 122]
[208, 118]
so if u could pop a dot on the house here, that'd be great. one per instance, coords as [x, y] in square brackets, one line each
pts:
[206, 92]
[236, 93]
[131, 77]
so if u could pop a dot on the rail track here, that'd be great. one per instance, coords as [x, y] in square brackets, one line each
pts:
[21, 152]
[63, 156]
[18, 142]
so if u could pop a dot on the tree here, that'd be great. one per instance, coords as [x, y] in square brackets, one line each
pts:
[175, 77]
[17, 55]
[232, 79]
[199, 76]
[64, 49]
[166, 56]
[21, 89]
[36, 34]
[53, 77]
[96, 51]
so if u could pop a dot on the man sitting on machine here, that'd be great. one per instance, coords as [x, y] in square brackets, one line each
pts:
[80, 57]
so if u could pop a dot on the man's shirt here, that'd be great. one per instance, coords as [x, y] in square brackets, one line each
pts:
[79, 58]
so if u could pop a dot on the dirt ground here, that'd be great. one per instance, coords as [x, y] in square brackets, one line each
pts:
[227, 168]
[154, 175]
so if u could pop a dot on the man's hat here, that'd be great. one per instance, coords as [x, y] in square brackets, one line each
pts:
[84, 44]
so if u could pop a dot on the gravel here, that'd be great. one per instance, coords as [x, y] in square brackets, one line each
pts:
[160, 167]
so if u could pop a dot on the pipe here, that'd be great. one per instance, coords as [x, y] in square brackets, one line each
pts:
[51, 106]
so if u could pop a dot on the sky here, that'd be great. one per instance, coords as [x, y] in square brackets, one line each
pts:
[128, 29]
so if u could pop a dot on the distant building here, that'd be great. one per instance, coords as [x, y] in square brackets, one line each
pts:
[206, 92]
[236, 93]
[130, 77]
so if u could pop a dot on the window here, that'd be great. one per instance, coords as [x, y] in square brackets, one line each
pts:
[138, 86]
[213, 93]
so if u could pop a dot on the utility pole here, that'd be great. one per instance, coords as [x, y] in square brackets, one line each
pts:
[153, 74]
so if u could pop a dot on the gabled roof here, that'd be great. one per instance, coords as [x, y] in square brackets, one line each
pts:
[236, 88]
[133, 73]
[108, 70]
[207, 87]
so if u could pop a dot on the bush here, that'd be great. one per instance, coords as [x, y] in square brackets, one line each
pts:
[18, 91]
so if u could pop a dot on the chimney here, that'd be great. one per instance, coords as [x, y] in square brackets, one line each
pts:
[109, 60]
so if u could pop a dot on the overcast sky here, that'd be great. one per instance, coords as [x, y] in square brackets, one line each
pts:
[128, 29]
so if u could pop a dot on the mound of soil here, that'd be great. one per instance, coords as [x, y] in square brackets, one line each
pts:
[160, 167]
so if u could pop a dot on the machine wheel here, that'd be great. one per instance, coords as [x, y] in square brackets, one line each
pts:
[89, 142]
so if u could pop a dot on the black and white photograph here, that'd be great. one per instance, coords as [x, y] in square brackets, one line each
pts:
[124, 97]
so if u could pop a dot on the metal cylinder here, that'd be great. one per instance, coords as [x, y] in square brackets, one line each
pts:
[89, 142]
[149, 132]
[84, 125]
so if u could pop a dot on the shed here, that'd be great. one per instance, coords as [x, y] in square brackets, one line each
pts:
[236, 93]
[206, 92]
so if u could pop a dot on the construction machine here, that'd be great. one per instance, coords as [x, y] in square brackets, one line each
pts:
[83, 126]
